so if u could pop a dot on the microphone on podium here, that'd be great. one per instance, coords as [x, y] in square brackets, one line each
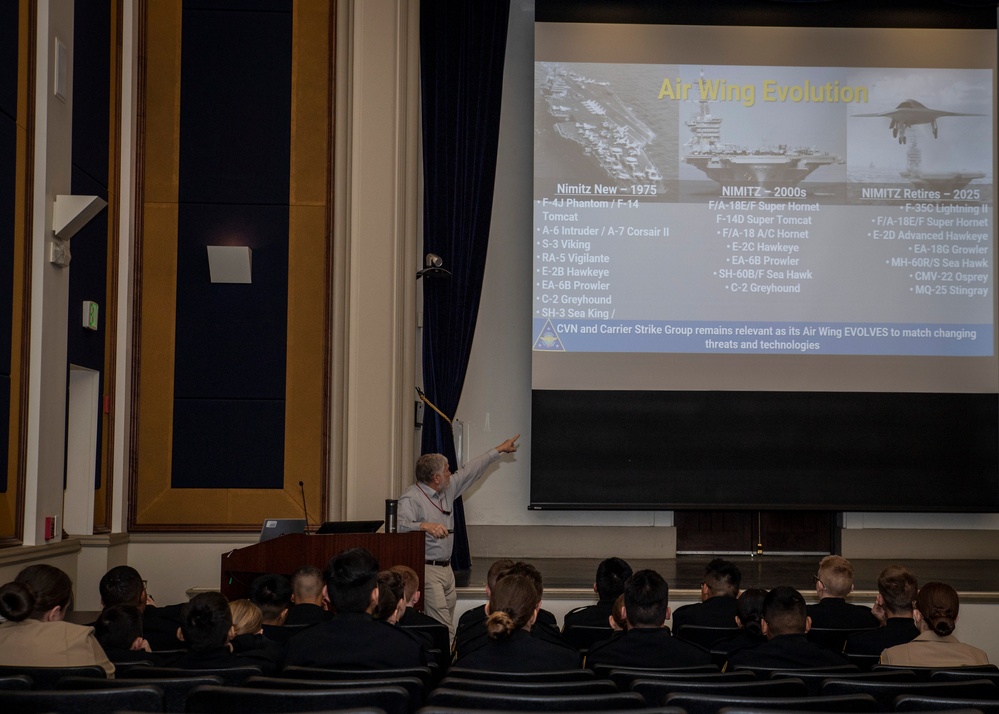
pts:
[305, 508]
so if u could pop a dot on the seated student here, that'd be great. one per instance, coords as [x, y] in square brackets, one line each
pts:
[207, 629]
[937, 605]
[35, 633]
[352, 638]
[307, 596]
[391, 600]
[718, 606]
[785, 622]
[411, 594]
[749, 620]
[648, 642]
[122, 585]
[513, 608]
[119, 630]
[248, 632]
[897, 588]
[617, 620]
[472, 634]
[609, 585]
[833, 583]
[272, 594]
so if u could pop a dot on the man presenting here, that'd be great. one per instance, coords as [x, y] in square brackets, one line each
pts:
[427, 506]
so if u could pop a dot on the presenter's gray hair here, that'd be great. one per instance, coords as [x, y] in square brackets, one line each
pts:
[429, 465]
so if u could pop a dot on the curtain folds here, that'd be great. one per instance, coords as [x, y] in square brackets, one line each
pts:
[462, 48]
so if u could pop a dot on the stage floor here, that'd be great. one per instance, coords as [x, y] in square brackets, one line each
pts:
[975, 580]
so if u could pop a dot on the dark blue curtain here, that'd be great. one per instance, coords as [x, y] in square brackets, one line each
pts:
[462, 46]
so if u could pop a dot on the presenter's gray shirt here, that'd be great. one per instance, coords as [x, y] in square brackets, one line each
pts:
[419, 503]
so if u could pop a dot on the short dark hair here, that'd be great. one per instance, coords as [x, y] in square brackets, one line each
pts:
[122, 585]
[898, 587]
[646, 599]
[307, 582]
[391, 589]
[784, 610]
[722, 577]
[527, 570]
[350, 578]
[118, 626]
[272, 594]
[611, 574]
[205, 621]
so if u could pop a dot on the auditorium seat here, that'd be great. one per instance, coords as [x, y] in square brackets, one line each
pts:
[424, 674]
[175, 689]
[705, 636]
[833, 637]
[230, 676]
[584, 686]
[413, 685]
[963, 674]
[920, 703]
[885, 692]
[766, 672]
[863, 661]
[656, 692]
[624, 677]
[458, 710]
[47, 677]
[923, 674]
[242, 700]
[458, 699]
[18, 682]
[582, 636]
[814, 680]
[565, 675]
[695, 703]
[132, 699]
[602, 671]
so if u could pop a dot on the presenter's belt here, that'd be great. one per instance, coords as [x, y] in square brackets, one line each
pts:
[440, 563]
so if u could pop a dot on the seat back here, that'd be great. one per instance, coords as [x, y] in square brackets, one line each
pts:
[766, 672]
[135, 699]
[436, 632]
[240, 700]
[565, 675]
[414, 686]
[923, 703]
[885, 692]
[963, 674]
[47, 677]
[814, 680]
[602, 671]
[175, 689]
[833, 637]
[445, 697]
[696, 703]
[18, 682]
[706, 636]
[582, 636]
[230, 676]
[424, 674]
[584, 686]
[863, 661]
[656, 691]
[624, 677]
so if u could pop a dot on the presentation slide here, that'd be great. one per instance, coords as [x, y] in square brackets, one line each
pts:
[839, 208]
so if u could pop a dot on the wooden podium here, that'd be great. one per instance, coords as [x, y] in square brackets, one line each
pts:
[288, 553]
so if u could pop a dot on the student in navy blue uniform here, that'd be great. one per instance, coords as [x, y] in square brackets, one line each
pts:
[647, 642]
[718, 606]
[272, 594]
[785, 622]
[307, 598]
[352, 638]
[122, 585]
[897, 588]
[206, 627]
[609, 585]
[833, 583]
[512, 610]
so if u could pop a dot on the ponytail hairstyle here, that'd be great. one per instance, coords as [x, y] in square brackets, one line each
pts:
[751, 610]
[938, 604]
[511, 606]
[35, 591]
